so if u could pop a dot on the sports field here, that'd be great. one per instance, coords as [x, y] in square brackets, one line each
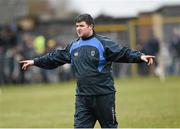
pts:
[140, 102]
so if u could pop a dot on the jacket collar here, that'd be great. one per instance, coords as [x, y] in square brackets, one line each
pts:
[87, 38]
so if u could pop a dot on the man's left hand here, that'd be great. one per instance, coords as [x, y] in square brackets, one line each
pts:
[149, 59]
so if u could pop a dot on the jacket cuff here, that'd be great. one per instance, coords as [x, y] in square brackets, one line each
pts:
[36, 61]
[139, 56]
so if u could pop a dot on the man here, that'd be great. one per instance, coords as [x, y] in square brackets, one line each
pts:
[91, 56]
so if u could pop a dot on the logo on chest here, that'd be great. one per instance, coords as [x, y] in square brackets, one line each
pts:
[76, 54]
[93, 53]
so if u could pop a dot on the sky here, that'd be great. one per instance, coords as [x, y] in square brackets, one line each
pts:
[118, 8]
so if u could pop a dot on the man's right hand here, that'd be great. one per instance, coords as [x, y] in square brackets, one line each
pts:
[26, 63]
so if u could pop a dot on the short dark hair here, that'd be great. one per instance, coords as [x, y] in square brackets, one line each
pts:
[85, 17]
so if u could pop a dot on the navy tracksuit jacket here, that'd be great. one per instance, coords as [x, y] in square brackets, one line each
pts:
[91, 61]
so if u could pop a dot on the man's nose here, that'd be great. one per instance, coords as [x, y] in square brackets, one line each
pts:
[78, 28]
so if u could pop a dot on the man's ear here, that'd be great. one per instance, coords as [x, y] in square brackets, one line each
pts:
[92, 26]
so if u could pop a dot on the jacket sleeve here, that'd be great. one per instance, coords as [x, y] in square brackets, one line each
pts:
[54, 59]
[117, 53]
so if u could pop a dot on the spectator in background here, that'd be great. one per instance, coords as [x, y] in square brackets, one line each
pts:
[10, 41]
[39, 45]
[26, 51]
[2, 56]
[175, 52]
[40, 48]
[151, 47]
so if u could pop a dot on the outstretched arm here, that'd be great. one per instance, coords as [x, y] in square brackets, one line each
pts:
[50, 60]
[117, 53]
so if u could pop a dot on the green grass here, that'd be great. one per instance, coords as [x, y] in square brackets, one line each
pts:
[140, 102]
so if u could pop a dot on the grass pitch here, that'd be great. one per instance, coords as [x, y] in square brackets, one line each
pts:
[140, 102]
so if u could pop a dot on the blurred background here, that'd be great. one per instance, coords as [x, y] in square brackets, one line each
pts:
[31, 28]
[146, 96]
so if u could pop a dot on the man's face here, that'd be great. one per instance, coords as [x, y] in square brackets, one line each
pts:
[83, 29]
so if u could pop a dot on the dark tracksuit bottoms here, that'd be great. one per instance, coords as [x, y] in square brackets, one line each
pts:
[92, 108]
